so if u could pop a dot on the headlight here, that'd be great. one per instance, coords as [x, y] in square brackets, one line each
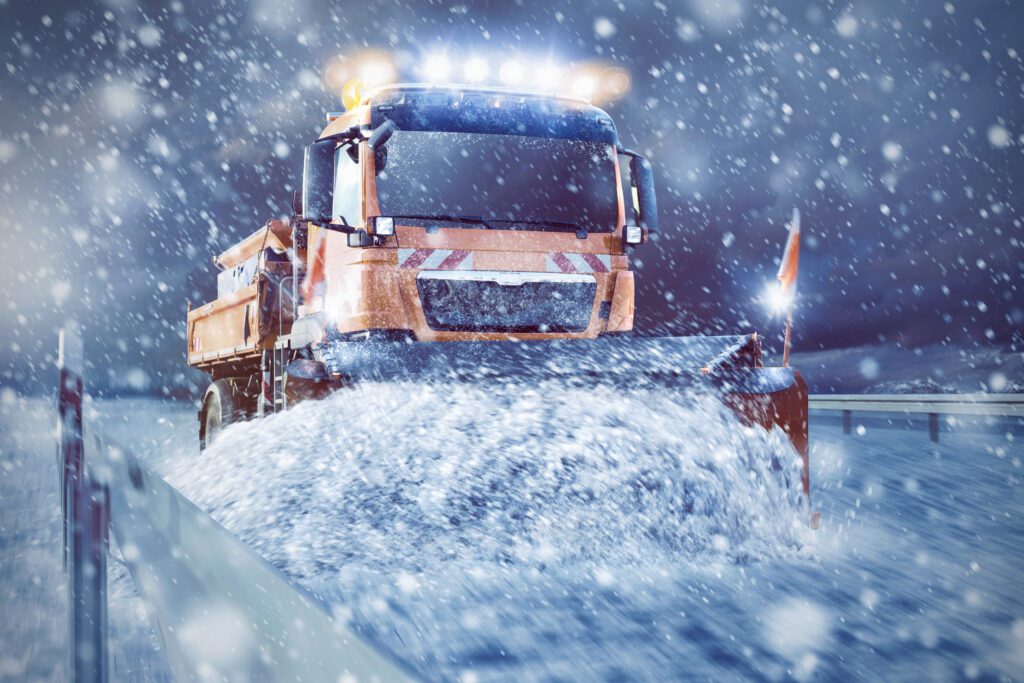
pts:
[384, 226]
[634, 234]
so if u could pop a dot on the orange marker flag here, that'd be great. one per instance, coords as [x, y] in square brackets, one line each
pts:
[790, 259]
[787, 280]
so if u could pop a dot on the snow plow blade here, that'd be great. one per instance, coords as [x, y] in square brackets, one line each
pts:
[728, 366]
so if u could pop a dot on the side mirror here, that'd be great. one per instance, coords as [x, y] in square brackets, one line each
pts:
[382, 134]
[642, 178]
[318, 182]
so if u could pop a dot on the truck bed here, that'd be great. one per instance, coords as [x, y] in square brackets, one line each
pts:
[255, 303]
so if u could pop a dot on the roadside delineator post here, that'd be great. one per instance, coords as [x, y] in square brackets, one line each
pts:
[192, 572]
[85, 512]
[933, 427]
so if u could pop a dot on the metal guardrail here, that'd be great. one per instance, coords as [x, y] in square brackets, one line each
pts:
[223, 612]
[933, 405]
[1011, 405]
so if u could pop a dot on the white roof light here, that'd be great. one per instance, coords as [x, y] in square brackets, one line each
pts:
[437, 68]
[476, 70]
[584, 86]
[376, 72]
[511, 72]
[549, 77]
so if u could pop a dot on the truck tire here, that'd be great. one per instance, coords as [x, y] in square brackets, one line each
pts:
[223, 404]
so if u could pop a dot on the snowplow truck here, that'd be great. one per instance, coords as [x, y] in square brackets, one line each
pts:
[464, 233]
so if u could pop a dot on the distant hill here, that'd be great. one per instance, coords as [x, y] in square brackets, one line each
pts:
[917, 386]
[891, 369]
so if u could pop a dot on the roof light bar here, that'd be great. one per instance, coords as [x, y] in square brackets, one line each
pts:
[595, 81]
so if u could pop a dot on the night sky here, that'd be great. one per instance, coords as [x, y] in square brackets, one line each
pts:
[139, 138]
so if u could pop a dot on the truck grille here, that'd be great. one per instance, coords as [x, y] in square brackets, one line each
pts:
[495, 301]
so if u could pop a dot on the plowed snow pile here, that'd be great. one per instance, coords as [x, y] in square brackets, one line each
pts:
[435, 511]
[409, 475]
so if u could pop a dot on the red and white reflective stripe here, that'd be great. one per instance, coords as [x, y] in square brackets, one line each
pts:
[435, 259]
[570, 262]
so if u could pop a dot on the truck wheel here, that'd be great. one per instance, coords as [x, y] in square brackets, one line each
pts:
[221, 406]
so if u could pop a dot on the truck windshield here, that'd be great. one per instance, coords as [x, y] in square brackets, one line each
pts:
[505, 180]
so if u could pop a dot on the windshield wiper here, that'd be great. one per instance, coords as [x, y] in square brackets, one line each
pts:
[554, 224]
[581, 233]
[475, 220]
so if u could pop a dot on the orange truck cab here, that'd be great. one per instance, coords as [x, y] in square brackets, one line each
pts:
[433, 213]
[447, 214]
[498, 222]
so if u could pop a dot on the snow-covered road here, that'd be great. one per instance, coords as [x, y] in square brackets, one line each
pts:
[553, 563]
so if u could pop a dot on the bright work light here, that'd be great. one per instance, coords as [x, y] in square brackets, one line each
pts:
[476, 70]
[777, 299]
[511, 72]
[437, 68]
[634, 234]
[584, 86]
[549, 77]
[352, 74]
[374, 72]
